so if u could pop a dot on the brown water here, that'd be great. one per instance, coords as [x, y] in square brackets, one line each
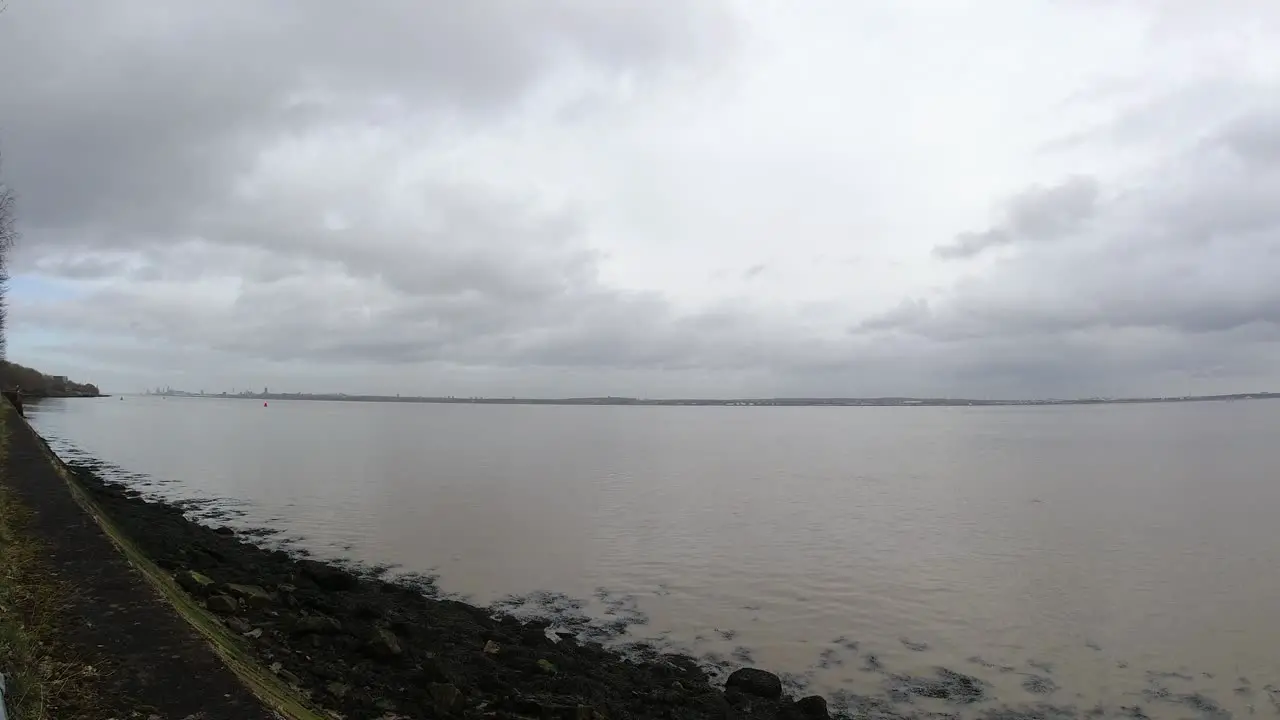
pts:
[1101, 547]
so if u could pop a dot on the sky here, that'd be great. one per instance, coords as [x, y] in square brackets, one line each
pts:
[720, 198]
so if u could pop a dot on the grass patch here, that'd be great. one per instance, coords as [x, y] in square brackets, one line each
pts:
[41, 679]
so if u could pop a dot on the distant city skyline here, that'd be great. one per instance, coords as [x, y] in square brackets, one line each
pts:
[739, 401]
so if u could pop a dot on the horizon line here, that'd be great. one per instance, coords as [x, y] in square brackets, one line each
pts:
[779, 399]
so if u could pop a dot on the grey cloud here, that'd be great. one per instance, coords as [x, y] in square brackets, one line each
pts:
[1039, 214]
[1177, 276]
[1254, 137]
[969, 244]
[134, 118]
[910, 312]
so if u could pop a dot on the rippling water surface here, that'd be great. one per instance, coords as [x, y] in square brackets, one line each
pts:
[1114, 559]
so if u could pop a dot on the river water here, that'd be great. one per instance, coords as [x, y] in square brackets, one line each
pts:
[1082, 556]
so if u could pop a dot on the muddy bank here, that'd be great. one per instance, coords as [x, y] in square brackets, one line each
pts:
[369, 648]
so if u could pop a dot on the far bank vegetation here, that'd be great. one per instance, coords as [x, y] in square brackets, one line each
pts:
[36, 384]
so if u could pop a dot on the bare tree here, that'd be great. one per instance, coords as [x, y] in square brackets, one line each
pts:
[8, 236]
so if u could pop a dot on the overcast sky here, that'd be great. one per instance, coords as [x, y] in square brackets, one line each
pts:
[1003, 198]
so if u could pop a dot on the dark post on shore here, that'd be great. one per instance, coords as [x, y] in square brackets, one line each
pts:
[15, 398]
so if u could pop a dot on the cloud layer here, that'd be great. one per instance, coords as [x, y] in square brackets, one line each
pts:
[646, 199]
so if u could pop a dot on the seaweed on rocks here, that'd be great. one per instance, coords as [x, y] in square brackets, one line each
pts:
[844, 642]
[912, 645]
[1041, 711]
[947, 685]
[830, 658]
[1039, 685]
[796, 683]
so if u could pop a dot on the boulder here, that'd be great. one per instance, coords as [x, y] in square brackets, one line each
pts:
[446, 696]
[285, 674]
[316, 625]
[337, 689]
[195, 583]
[329, 578]
[222, 605]
[239, 625]
[434, 670]
[759, 683]
[384, 644]
[253, 596]
[813, 707]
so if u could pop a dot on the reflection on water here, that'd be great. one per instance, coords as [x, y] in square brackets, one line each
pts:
[1122, 559]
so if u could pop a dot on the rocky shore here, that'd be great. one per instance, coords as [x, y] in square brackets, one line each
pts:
[364, 647]
[343, 642]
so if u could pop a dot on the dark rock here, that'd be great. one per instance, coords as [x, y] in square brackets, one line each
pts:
[752, 681]
[813, 707]
[446, 696]
[222, 605]
[195, 583]
[434, 671]
[224, 530]
[337, 689]
[239, 625]
[329, 578]
[316, 624]
[285, 675]
[384, 644]
[253, 596]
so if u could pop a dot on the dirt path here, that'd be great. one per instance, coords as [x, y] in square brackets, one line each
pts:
[145, 656]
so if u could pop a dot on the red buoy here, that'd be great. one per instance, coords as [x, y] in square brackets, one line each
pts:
[264, 404]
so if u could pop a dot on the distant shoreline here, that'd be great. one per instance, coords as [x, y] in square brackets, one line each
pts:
[742, 402]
